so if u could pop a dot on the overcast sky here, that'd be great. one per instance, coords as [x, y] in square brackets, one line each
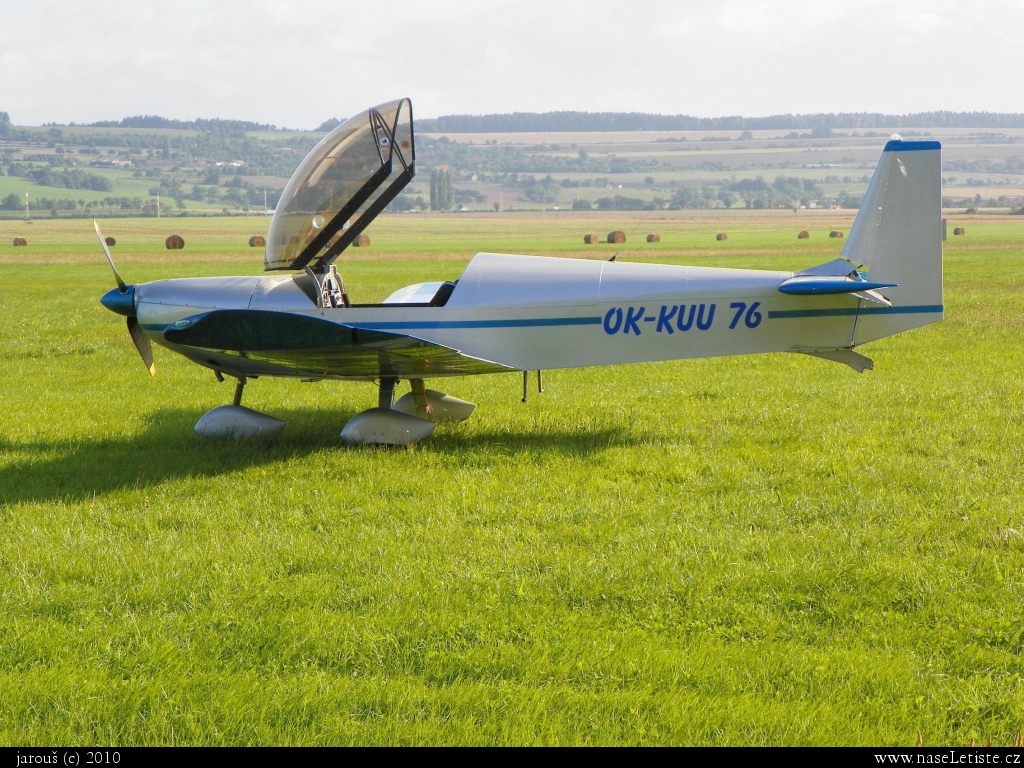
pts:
[296, 63]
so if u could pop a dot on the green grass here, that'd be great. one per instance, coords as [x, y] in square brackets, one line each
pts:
[762, 550]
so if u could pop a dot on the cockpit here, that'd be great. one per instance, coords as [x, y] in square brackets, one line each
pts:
[338, 190]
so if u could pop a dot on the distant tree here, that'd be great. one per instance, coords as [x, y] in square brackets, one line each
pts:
[5, 123]
[746, 136]
[402, 203]
[442, 194]
[445, 191]
[847, 200]
[497, 207]
[727, 198]
[12, 202]
[750, 185]
[620, 203]
[328, 125]
[582, 205]
[463, 196]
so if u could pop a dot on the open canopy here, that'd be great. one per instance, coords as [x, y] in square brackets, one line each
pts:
[341, 186]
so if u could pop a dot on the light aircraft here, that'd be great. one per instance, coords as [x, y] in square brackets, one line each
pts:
[519, 313]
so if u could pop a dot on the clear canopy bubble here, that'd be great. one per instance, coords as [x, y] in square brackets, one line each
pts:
[349, 177]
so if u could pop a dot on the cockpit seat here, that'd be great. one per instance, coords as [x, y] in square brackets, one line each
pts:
[443, 294]
[422, 295]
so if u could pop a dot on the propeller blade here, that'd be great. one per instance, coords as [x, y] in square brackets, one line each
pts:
[110, 260]
[142, 343]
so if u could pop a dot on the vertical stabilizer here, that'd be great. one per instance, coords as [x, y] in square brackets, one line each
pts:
[898, 237]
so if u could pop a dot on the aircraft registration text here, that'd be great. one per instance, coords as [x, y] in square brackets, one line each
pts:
[678, 317]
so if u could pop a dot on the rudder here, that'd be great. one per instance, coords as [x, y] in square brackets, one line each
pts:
[898, 236]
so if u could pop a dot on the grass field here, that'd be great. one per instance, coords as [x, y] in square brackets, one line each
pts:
[762, 550]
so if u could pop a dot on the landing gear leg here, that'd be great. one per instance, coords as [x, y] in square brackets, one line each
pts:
[419, 394]
[238, 391]
[386, 396]
[526, 383]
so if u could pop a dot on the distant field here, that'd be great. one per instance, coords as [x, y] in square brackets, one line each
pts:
[982, 168]
[761, 550]
[404, 237]
[413, 236]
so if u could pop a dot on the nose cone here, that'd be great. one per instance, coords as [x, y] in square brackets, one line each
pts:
[122, 303]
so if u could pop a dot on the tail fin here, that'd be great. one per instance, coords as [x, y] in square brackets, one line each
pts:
[898, 236]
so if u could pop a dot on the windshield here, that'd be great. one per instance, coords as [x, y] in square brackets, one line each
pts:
[341, 186]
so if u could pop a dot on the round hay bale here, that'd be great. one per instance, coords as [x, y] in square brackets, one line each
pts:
[654, 238]
[109, 241]
[20, 241]
[835, 233]
[362, 241]
[618, 236]
[721, 236]
[257, 241]
[591, 239]
[803, 235]
[175, 243]
[959, 231]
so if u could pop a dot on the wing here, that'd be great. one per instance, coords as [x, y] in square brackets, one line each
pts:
[317, 347]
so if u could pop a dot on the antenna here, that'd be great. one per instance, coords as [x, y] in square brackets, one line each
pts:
[266, 210]
[28, 215]
[637, 228]
[158, 205]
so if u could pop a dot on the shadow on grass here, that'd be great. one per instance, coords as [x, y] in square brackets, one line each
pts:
[168, 449]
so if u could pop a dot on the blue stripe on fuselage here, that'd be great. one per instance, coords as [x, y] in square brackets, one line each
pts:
[521, 323]
[784, 314]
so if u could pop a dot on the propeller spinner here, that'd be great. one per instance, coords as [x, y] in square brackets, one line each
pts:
[122, 301]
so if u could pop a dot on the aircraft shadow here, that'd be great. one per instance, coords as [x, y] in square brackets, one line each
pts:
[80, 469]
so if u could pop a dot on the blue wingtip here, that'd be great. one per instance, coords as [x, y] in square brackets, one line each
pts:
[824, 286]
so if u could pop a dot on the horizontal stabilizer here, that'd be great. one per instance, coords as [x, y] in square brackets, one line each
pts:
[813, 285]
[874, 297]
[855, 360]
[834, 268]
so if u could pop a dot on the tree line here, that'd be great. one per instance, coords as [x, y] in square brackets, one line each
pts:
[517, 122]
[199, 124]
[570, 120]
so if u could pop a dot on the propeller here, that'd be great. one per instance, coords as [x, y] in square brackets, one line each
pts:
[110, 259]
[122, 301]
[142, 343]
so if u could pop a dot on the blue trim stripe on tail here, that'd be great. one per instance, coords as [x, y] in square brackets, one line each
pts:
[911, 146]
